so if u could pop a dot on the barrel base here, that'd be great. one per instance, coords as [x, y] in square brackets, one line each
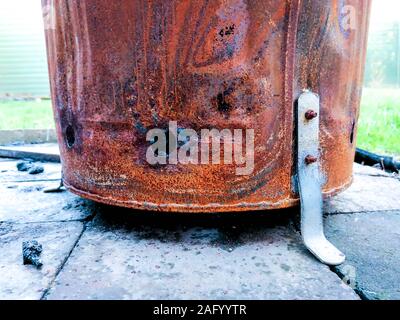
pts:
[193, 208]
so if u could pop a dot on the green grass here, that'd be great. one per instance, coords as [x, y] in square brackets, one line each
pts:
[379, 125]
[26, 115]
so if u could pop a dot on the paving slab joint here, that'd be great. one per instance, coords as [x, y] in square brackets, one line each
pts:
[52, 282]
[356, 289]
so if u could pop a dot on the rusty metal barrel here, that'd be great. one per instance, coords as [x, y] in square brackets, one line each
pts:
[119, 69]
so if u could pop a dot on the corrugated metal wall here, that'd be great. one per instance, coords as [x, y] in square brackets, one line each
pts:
[23, 65]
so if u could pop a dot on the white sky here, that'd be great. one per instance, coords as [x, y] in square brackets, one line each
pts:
[384, 11]
[21, 16]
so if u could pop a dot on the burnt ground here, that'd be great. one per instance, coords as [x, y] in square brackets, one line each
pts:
[92, 251]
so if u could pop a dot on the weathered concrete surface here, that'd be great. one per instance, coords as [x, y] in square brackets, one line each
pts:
[209, 257]
[26, 282]
[359, 169]
[372, 190]
[9, 172]
[50, 148]
[371, 242]
[127, 254]
[26, 202]
[43, 152]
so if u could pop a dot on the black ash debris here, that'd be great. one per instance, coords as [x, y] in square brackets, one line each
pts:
[31, 251]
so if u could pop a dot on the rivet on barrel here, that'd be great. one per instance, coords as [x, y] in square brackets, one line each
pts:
[311, 114]
[310, 159]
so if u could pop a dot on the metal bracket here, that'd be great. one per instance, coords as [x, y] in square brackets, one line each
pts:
[310, 181]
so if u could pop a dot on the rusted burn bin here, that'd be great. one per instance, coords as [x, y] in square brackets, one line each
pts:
[121, 68]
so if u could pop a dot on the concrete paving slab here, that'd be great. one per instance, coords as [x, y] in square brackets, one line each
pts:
[359, 169]
[39, 152]
[192, 257]
[10, 173]
[125, 254]
[371, 242]
[26, 202]
[50, 148]
[372, 190]
[27, 282]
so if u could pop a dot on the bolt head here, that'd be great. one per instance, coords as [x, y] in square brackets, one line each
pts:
[310, 160]
[311, 114]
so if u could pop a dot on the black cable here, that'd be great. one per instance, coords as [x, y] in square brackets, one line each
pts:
[371, 159]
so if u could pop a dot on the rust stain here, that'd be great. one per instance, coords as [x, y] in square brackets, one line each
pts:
[120, 68]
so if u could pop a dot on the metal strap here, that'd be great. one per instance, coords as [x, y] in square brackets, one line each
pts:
[310, 181]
